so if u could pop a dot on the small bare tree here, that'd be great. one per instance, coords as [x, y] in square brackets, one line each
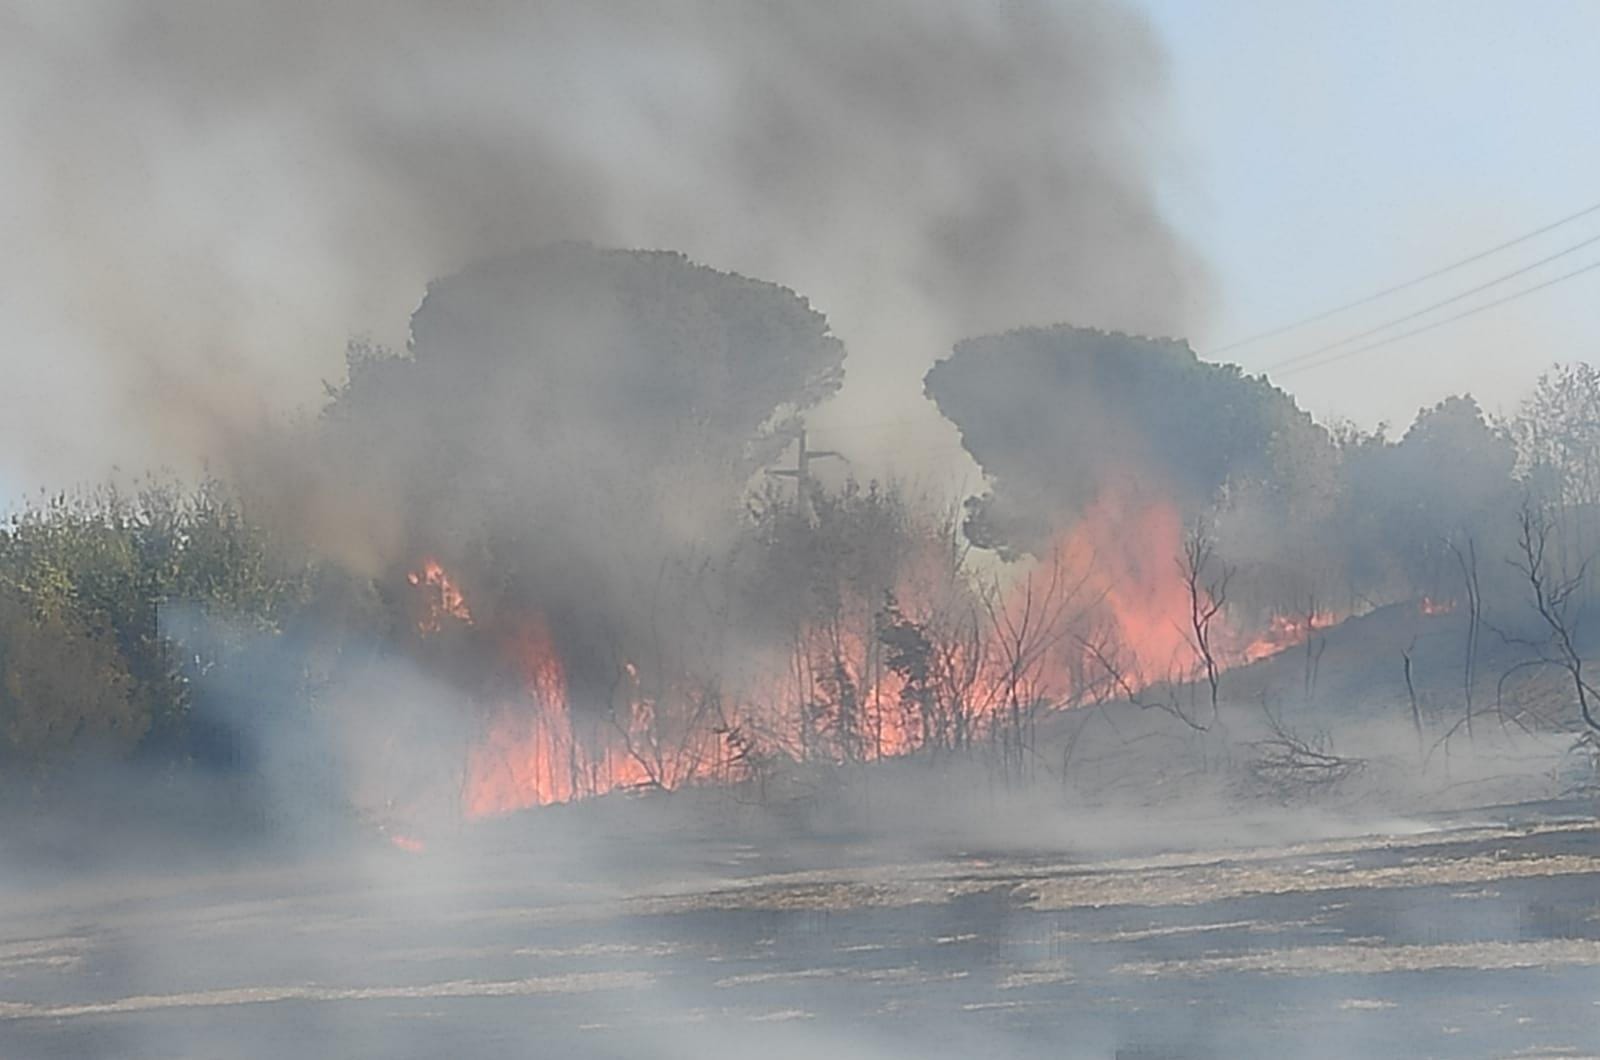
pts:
[1206, 579]
[1316, 644]
[1289, 765]
[1411, 693]
[1555, 598]
[1467, 561]
[1094, 680]
[1027, 629]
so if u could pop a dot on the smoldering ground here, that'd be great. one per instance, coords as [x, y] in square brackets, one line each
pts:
[585, 933]
[871, 913]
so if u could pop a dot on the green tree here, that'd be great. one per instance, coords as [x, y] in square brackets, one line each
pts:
[92, 577]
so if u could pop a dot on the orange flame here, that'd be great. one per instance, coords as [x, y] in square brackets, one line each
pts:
[536, 753]
[1119, 559]
[1126, 552]
[443, 599]
[1285, 632]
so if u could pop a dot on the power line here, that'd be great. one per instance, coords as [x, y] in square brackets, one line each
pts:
[1442, 270]
[1425, 310]
[1593, 265]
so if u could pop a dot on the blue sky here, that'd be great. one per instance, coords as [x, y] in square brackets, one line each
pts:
[1325, 150]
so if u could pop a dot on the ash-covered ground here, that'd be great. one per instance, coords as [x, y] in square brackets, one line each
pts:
[570, 933]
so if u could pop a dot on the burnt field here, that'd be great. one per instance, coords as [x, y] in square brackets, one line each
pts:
[1463, 936]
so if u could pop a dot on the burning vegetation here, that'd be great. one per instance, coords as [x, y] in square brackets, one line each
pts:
[942, 662]
[571, 512]
[584, 665]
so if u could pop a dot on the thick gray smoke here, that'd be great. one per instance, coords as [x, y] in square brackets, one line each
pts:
[206, 197]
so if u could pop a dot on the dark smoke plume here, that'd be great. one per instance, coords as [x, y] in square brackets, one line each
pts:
[208, 196]
[574, 424]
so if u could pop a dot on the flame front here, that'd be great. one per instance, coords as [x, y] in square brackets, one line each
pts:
[837, 695]
[536, 751]
[1284, 632]
[1126, 552]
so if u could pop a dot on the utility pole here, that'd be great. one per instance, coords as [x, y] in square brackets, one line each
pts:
[801, 473]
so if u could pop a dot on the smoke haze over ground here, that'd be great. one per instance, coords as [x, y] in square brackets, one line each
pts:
[206, 199]
[770, 573]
